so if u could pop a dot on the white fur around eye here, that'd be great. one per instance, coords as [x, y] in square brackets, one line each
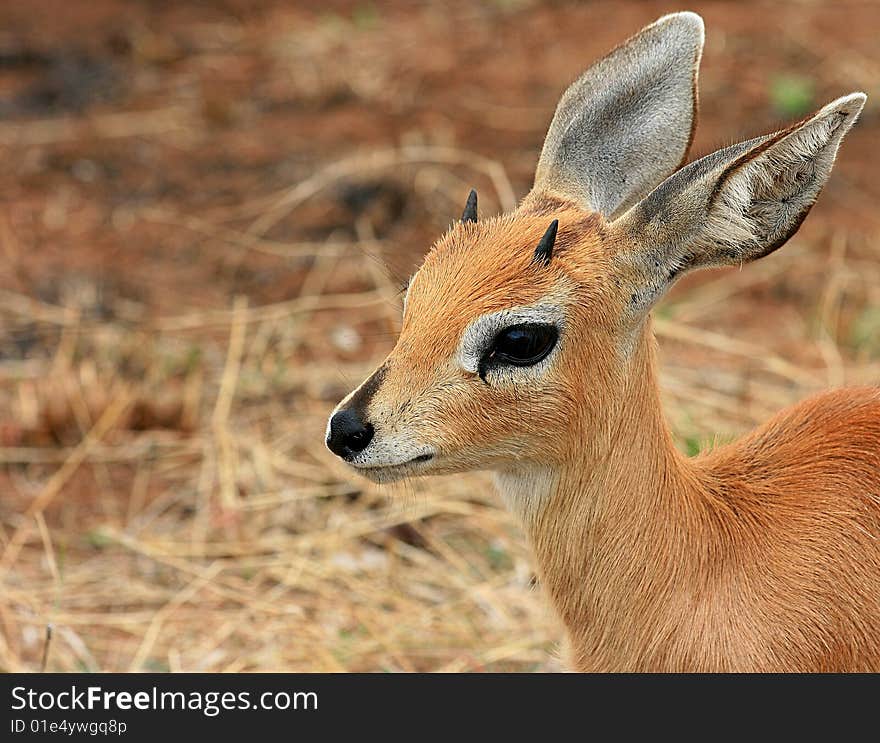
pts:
[481, 332]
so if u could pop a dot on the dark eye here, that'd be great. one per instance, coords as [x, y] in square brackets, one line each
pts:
[521, 345]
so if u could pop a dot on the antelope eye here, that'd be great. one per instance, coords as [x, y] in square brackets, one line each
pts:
[522, 345]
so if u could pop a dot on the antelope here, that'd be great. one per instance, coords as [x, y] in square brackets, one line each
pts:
[526, 349]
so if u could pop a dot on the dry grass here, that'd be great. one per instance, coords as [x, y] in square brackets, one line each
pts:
[167, 501]
[242, 544]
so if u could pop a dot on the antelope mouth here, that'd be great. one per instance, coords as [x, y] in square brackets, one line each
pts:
[382, 472]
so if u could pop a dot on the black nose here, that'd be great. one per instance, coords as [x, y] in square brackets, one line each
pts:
[348, 434]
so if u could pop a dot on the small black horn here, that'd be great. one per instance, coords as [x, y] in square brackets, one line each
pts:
[544, 251]
[470, 208]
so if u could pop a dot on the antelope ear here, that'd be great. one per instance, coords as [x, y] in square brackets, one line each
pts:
[628, 121]
[733, 206]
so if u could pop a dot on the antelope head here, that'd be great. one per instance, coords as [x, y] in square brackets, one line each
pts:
[522, 334]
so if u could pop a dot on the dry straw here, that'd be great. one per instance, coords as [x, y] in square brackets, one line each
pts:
[195, 522]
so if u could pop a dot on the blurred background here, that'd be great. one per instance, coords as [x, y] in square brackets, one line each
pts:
[208, 210]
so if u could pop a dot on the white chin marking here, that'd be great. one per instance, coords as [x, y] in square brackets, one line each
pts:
[387, 459]
[393, 472]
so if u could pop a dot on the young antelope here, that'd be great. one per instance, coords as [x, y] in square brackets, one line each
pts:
[527, 350]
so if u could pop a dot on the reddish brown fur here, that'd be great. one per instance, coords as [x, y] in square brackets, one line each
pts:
[763, 555]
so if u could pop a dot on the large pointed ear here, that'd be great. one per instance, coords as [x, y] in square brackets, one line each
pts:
[730, 207]
[628, 121]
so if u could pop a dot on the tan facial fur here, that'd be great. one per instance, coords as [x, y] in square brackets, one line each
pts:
[474, 271]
